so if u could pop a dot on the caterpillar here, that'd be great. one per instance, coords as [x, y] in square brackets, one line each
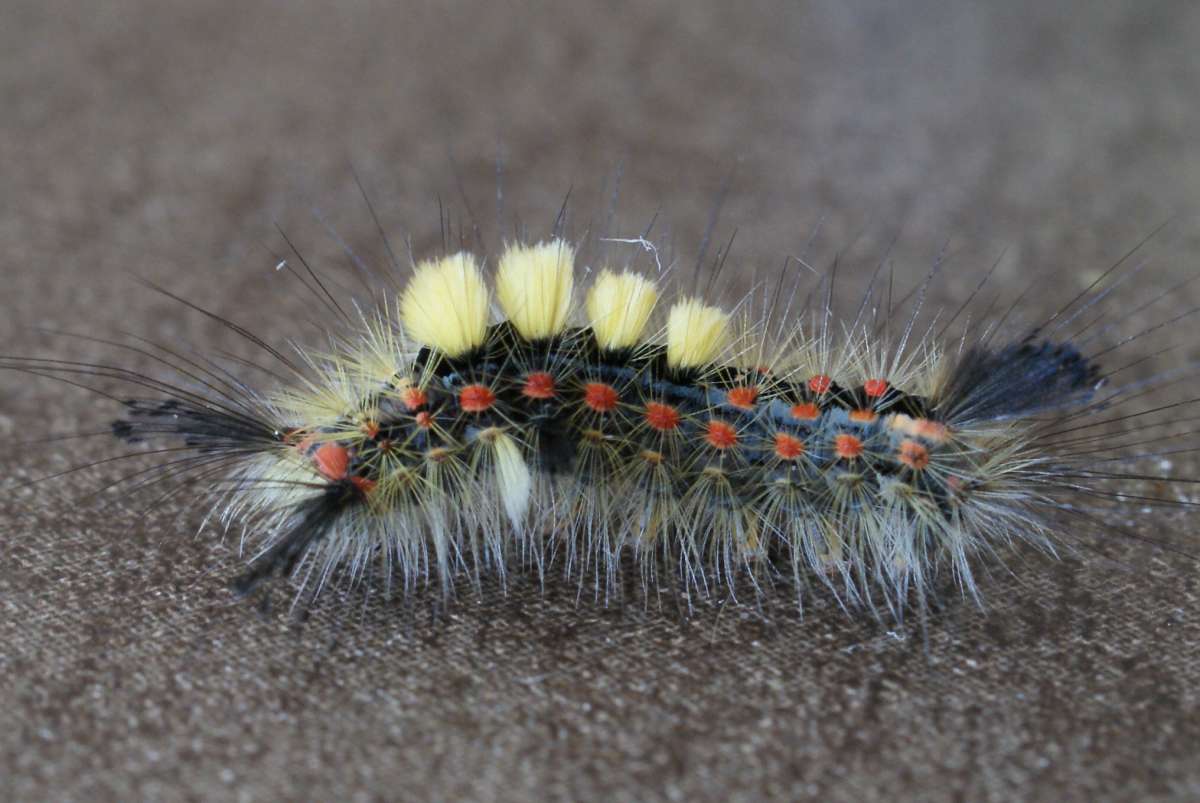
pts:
[500, 414]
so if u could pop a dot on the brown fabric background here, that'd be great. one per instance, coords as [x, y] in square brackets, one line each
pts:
[161, 139]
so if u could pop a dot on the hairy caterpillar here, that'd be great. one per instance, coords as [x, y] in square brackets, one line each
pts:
[530, 419]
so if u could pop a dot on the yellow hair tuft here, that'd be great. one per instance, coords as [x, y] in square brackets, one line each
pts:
[533, 287]
[618, 307]
[696, 333]
[446, 304]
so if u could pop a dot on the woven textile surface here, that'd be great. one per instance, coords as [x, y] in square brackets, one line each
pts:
[162, 140]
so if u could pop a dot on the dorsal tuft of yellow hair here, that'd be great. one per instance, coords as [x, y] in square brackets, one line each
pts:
[618, 307]
[534, 285]
[696, 333]
[446, 304]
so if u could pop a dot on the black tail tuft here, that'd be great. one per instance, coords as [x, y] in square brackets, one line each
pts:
[1019, 379]
[206, 428]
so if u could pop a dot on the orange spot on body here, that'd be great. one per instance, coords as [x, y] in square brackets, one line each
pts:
[600, 397]
[332, 460]
[863, 416]
[847, 447]
[538, 385]
[742, 398]
[424, 419]
[932, 430]
[806, 412]
[414, 398]
[820, 383]
[874, 388]
[371, 429]
[788, 447]
[920, 428]
[914, 455]
[476, 398]
[364, 484]
[662, 417]
[721, 435]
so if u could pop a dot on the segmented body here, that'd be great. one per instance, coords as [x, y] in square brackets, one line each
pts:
[535, 438]
[743, 428]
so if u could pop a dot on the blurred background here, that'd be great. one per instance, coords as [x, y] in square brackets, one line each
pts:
[165, 140]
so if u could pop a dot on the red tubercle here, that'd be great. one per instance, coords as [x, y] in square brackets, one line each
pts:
[424, 419]
[662, 417]
[476, 398]
[874, 388]
[721, 434]
[414, 399]
[600, 397]
[806, 411]
[863, 416]
[847, 447]
[332, 461]
[924, 428]
[820, 383]
[932, 430]
[742, 398]
[539, 385]
[365, 485]
[370, 429]
[913, 455]
[788, 447]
